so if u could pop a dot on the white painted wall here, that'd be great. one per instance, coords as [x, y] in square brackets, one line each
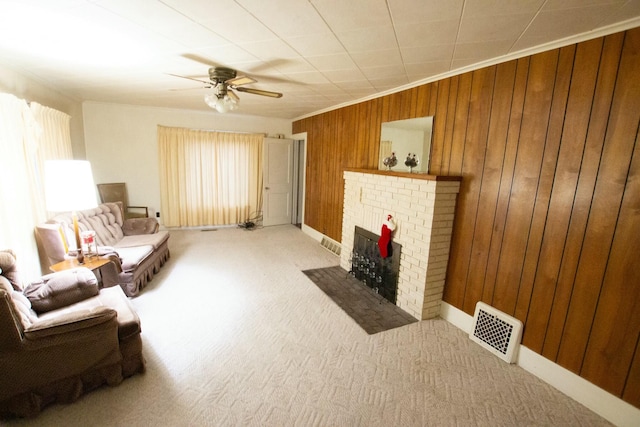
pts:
[121, 142]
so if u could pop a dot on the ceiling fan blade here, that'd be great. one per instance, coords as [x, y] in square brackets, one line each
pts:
[200, 59]
[233, 95]
[259, 92]
[191, 78]
[191, 88]
[240, 80]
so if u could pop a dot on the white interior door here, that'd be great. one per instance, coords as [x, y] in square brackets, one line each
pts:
[278, 181]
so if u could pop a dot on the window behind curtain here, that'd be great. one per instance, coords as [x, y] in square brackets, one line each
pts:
[209, 178]
[29, 135]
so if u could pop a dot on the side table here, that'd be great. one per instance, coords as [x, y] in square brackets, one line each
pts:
[90, 263]
[94, 264]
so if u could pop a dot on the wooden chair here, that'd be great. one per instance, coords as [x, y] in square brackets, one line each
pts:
[117, 192]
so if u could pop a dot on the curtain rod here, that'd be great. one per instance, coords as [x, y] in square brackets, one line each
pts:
[233, 131]
[220, 131]
[265, 134]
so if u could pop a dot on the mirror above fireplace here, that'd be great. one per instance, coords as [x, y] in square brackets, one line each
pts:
[403, 137]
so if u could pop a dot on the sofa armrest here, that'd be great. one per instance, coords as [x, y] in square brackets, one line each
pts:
[69, 324]
[134, 226]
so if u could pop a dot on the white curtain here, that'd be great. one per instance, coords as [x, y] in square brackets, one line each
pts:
[54, 143]
[209, 178]
[27, 138]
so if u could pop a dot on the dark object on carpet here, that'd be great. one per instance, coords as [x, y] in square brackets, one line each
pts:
[370, 310]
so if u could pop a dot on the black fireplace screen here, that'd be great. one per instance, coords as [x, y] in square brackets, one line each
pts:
[380, 274]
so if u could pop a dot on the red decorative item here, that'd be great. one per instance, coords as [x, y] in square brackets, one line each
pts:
[385, 236]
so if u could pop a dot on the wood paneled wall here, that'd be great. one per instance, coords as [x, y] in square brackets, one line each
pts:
[548, 220]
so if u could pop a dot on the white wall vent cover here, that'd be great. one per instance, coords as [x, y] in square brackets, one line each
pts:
[496, 331]
[331, 245]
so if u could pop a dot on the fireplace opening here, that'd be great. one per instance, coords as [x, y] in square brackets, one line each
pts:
[368, 266]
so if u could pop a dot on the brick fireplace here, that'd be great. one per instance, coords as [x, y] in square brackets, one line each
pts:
[423, 207]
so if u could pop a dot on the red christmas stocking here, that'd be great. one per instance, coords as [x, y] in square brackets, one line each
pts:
[384, 241]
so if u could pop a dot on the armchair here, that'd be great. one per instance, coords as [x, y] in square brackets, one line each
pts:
[62, 337]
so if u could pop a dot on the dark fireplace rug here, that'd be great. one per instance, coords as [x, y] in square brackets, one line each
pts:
[369, 310]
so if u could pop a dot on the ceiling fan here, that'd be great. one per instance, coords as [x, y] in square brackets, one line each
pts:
[224, 81]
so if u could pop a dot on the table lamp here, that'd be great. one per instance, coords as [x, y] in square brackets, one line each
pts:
[69, 186]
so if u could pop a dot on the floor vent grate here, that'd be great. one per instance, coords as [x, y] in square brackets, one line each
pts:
[331, 246]
[496, 331]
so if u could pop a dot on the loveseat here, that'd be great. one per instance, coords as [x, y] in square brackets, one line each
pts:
[61, 337]
[140, 247]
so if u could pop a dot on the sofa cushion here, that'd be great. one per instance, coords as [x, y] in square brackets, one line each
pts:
[61, 289]
[106, 220]
[133, 256]
[155, 240]
[134, 226]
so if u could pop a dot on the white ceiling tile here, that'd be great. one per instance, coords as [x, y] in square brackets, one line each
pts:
[560, 23]
[206, 11]
[337, 76]
[436, 52]
[384, 72]
[227, 55]
[353, 14]
[287, 18]
[312, 77]
[314, 45]
[627, 11]
[269, 49]
[295, 65]
[378, 58]
[368, 39]
[406, 12]
[496, 8]
[340, 61]
[162, 19]
[390, 82]
[493, 27]
[482, 49]
[243, 28]
[355, 84]
[427, 34]
[573, 4]
[416, 72]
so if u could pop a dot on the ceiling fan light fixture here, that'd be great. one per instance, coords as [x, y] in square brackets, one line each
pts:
[220, 103]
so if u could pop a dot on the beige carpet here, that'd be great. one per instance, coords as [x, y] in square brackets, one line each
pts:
[236, 335]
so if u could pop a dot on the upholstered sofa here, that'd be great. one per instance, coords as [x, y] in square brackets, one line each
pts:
[140, 247]
[61, 337]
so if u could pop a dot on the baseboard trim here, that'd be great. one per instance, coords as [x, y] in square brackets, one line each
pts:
[603, 403]
[316, 235]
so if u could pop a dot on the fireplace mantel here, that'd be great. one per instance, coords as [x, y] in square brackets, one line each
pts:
[414, 175]
[423, 207]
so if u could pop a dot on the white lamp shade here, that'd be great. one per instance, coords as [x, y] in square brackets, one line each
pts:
[69, 185]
